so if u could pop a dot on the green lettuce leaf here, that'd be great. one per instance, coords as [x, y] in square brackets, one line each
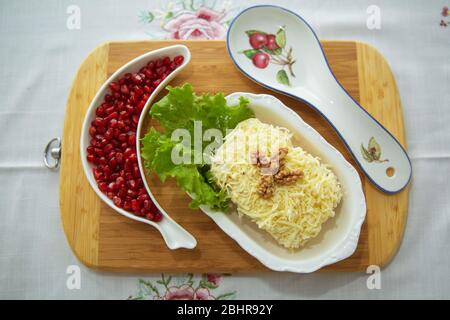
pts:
[179, 109]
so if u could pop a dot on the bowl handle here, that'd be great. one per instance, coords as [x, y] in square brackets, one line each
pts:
[174, 235]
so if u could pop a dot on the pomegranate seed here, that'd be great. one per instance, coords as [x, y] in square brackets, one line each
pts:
[103, 186]
[157, 216]
[135, 206]
[133, 157]
[131, 193]
[132, 184]
[92, 131]
[117, 201]
[178, 60]
[114, 86]
[90, 158]
[112, 187]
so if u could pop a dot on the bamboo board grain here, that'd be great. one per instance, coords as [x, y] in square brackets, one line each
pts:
[105, 240]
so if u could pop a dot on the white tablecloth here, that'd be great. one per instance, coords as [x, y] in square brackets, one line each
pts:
[39, 56]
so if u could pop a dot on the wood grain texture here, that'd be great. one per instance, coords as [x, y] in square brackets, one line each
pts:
[103, 239]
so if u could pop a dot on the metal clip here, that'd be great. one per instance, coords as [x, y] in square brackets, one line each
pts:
[55, 153]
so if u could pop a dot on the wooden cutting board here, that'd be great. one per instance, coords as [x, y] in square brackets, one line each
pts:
[103, 239]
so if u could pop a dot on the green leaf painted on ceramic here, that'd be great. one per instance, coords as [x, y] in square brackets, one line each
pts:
[275, 52]
[250, 32]
[250, 53]
[280, 38]
[282, 77]
[374, 149]
[366, 155]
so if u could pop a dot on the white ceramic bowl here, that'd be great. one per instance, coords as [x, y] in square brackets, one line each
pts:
[174, 235]
[339, 236]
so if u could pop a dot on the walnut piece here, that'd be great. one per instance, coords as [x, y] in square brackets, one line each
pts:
[266, 186]
[285, 177]
[273, 172]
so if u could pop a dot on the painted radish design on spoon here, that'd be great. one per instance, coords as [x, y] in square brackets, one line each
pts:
[271, 48]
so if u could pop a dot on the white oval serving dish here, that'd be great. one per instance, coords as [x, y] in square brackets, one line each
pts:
[173, 234]
[339, 236]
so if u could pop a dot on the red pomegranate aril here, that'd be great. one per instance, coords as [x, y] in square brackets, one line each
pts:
[124, 89]
[128, 152]
[97, 174]
[136, 171]
[102, 161]
[117, 201]
[123, 137]
[107, 171]
[147, 89]
[109, 134]
[98, 152]
[122, 192]
[147, 204]
[90, 158]
[100, 111]
[113, 162]
[108, 98]
[99, 122]
[92, 131]
[135, 119]
[129, 109]
[132, 184]
[120, 181]
[112, 115]
[137, 79]
[143, 197]
[132, 139]
[114, 176]
[133, 157]
[108, 148]
[112, 187]
[103, 186]
[132, 194]
[127, 205]
[157, 216]
[178, 60]
[141, 105]
[114, 86]
[119, 157]
[135, 206]
[113, 123]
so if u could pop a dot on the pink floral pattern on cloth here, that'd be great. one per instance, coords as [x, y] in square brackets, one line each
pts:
[182, 288]
[192, 20]
[444, 21]
[204, 24]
